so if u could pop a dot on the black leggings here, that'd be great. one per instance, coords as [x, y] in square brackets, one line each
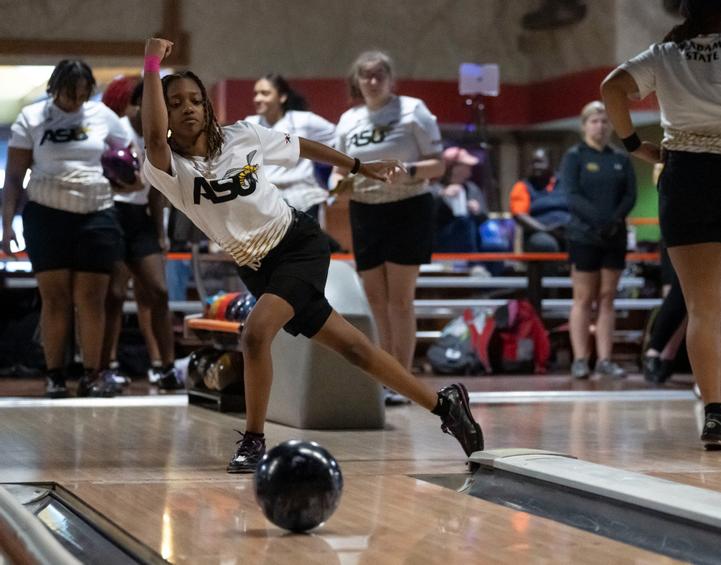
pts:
[669, 318]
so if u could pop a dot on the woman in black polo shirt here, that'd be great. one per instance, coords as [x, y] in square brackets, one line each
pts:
[601, 188]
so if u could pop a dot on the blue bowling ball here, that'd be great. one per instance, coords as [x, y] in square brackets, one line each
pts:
[298, 485]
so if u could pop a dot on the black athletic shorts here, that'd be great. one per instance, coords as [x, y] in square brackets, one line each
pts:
[296, 270]
[57, 239]
[690, 198]
[396, 232]
[139, 237]
[591, 258]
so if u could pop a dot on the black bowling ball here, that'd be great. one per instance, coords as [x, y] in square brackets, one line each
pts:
[298, 485]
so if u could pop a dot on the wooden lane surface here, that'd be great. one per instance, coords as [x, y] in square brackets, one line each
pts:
[137, 465]
[383, 519]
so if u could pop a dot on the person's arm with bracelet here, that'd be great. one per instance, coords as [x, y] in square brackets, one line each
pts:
[380, 170]
[154, 111]
[18, 163]
[616, 90]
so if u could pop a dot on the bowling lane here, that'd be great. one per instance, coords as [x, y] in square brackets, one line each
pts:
[158, 472]
[385, 519]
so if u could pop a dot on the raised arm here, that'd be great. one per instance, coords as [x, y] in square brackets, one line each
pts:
[616, 90]
[154, 110]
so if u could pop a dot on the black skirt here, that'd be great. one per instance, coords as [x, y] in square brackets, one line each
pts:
[690, 198]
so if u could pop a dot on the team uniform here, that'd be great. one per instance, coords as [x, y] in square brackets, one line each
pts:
[390, 222]
[278, 249]
[687, 80]
[601, 189]
[298, 184]
[69, 221]
[139, 233]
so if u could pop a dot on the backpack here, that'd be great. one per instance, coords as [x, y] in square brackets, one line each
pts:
[521, 342]
[462, 348]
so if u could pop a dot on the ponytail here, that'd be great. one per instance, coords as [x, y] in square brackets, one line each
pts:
[696, 14]
[293, 100]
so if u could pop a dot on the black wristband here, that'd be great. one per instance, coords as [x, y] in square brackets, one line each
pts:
[356, 166]
[412, 170]
[632, 142]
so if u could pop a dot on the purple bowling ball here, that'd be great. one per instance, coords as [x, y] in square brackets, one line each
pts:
[120, 165]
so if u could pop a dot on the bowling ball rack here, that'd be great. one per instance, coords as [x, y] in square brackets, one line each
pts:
[221, 335]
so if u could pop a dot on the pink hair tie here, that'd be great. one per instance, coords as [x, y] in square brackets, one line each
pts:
[151, 64]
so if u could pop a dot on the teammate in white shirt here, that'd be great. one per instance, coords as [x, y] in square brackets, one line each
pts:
[140, 215]
[392, 224]
[216, 176]
[685, 73]
[282, 109]
[69, 224]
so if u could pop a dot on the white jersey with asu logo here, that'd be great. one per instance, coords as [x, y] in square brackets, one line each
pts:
[403, 129]
[65, 170]
[229, 197]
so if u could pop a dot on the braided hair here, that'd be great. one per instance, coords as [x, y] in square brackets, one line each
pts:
[696, 14]
[213, 131]
[293, 100]
[66, 76]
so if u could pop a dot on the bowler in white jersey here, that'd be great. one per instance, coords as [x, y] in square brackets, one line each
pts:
[69, 223]
[216, 176]
[684, 71]
[392, 223]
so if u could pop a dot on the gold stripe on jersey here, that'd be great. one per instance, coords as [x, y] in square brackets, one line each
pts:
[678, 140]
[76, 197]
[371, 191]
[250, 250]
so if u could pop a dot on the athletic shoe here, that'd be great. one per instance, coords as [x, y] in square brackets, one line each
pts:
[119, 378]
[392, 398]
[652, 369]
[580, 369]
[249, 453]
[154, 374]
[607, 368]
[98, 385]
[458, 420]
[711, 434]
[170, 380]
[55, 385]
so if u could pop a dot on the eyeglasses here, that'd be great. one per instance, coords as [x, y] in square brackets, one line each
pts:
[367, 76]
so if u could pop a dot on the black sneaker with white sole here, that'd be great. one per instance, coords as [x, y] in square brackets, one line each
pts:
[170, 380]
[251, 448]
[711, 434]
[98, 385]
[457, 420]
[55, 386]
